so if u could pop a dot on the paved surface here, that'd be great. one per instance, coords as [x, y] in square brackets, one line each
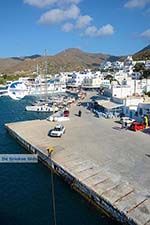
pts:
[111, 161]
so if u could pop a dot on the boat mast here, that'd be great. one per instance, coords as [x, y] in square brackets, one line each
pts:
[37, 82]
[45, 77]
[40, 81]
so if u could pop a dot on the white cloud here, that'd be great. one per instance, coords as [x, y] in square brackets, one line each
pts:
[67, 12]
[55, 16]
[67, 27]
[73, 12]
[146, 34]
[136, 3]
[44, 3]
[105, 30]
[83, 21]
[69, 1]
[91, 31]
[40, 3]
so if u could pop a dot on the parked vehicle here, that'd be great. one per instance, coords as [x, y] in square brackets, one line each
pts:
[109, 115]
[79, 103]
[66, 113]
[126, 120]
[135, 126]
[57, 131]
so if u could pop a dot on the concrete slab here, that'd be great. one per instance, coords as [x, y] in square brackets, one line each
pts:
[130, 202]
[105, 185]
[141, 214]
[118, 192]
[85, 175]
[97, 178]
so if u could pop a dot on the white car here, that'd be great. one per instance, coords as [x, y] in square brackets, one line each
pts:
[57, 131]
[127, 120]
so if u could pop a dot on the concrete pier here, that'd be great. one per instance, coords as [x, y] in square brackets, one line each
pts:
[107, 165]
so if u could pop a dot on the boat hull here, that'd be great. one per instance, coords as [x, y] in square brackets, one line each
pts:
[41, 109]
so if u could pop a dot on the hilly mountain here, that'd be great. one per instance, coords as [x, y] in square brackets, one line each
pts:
[146, 48]
[67, 60]
[142, 54]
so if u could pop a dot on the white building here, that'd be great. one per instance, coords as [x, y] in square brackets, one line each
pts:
[77, 79]
[106, 65]
[147, 64]
[86, 78]
[117, 65]
[144, 108]
[131, 105]
[120, 76]
[92, 82]
[128, 61]
[130, 87]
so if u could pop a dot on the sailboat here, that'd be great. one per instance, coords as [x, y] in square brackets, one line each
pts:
[42, 105]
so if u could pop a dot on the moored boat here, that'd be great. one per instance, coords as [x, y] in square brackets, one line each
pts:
[59, 116]
[42, 108]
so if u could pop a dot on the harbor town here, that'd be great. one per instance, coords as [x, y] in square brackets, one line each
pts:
[75, 112]
[123, 87]
[99, 153]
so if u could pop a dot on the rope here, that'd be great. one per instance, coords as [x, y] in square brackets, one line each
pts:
[53, 194]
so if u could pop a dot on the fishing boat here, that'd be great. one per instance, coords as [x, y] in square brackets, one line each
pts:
[42, 108]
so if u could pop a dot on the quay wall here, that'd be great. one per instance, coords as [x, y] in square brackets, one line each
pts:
[75, 184]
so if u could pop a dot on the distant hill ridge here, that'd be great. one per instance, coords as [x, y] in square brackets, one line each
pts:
[145, 49]
[143, 54]
[67, 60]
[27, 57]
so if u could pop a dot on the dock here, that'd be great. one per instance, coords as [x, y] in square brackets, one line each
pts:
[110, 167]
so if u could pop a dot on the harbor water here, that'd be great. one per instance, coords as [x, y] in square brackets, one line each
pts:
[25, 189]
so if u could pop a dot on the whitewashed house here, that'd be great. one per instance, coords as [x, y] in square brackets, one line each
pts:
[144, 107]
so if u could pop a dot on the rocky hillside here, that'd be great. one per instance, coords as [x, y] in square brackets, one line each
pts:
[67, 60]
[143, 54]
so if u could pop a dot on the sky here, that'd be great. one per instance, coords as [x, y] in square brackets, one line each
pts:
[116, 27]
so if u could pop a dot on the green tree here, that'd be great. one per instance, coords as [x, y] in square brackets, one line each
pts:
[146, 74]
[111, 78]
[139, 67]
[2, 80]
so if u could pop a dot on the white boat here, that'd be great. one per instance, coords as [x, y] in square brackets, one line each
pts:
[44, 87]
[42, 108]
[59, 116]
[3, 92]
